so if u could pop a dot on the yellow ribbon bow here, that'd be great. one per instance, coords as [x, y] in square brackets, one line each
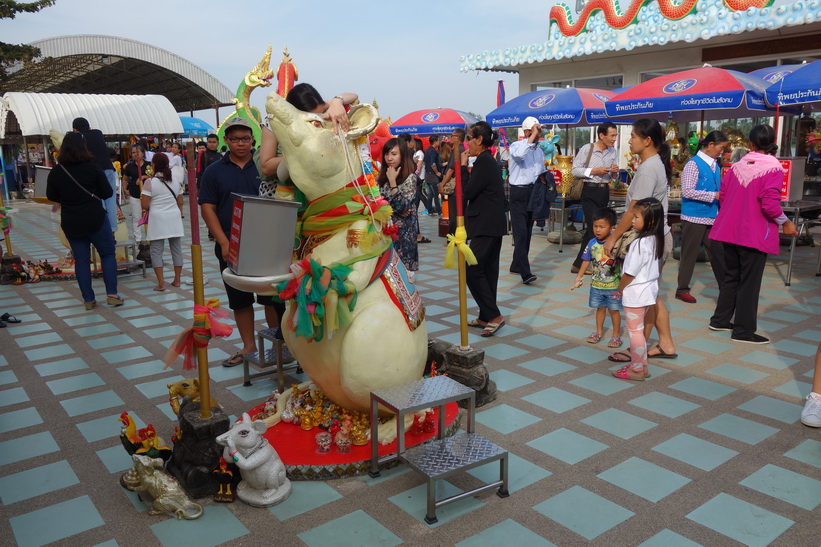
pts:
[459, 241]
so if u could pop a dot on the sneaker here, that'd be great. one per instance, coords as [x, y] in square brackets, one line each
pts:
[811, 415]
[711, 326]
[686, 297]
[530, 279]
[754, 339]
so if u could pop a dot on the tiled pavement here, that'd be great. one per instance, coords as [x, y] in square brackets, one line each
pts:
[709, 451]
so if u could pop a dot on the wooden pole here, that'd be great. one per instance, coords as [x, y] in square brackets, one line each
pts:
[199, 295]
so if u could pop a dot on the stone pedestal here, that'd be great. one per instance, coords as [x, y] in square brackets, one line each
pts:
[8, 272]
[196, 453]
[466, 367]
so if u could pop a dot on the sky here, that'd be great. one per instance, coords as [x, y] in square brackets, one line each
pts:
[403, 54]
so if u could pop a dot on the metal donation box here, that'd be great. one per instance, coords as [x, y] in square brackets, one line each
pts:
[262, 235]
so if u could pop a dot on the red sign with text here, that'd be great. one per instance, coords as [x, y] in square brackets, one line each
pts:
[236, 226]
[785, 185]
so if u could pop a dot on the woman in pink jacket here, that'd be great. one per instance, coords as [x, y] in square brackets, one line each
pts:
[747, 224]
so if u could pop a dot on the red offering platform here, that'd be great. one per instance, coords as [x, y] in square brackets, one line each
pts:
[299, 452]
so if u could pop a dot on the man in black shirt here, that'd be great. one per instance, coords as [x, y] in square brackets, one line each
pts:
[207, 157]
[95, 142]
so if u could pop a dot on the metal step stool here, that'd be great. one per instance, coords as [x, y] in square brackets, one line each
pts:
[443, 457]
[270, 357]
[130, 262]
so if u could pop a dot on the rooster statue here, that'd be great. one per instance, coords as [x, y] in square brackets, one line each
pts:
[144, 442]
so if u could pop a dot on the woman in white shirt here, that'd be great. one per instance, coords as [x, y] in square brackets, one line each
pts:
[162, 197]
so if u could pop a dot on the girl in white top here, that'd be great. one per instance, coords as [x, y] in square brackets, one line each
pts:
[639, 282]
[162, 196]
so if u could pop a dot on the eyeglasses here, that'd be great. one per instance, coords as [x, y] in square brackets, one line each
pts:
[238, 139]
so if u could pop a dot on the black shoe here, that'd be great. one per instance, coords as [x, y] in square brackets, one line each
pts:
[711, 326]
[529, 279]
[754, 339]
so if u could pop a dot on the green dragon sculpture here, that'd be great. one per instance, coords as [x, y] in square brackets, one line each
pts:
[259, 76]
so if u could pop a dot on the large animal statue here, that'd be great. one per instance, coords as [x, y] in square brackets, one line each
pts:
[148, 475]
[373, 334]
[263, 475]
[178, 391]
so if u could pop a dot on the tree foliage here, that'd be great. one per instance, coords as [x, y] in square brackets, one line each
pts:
[12, 53]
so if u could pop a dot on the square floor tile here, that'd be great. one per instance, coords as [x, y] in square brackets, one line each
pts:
[7, 377]
[49, 352]
[601, 384]
[216, 526]
[127, 354]
[556, 400]
[568, 446]
[547, 366]
[769, 360]
[738, 373]
[60, 367]
[107, 427]
[521, 473]
[91, 403]
[664, 404]
[696, 452]
[540, 341]
[94, 330]
[709, 345]
[260, 389]
[794, 488]
[13, 396]
[83, 320]
[504, 352]
[796, 348]
[795, 388]
[18, 419]
[619, 423]
[584, 512]
[38, 339]
[668, 538]
[703, 388]
[456, 338]
[414, 502]
[156, 388]
[385, 475]
[115, 459]
[141, 370]
[741, 521]
[576, 332]
[773, 408]
[644, 479]
[506, 380]
[75, 383]
[506, 532]
[505, 419]
[36, 482]
[64, 519]
[808, 452]
[535, 321]
[111, 341]
[356, 528]
[739, 429]
[26, 447]
[305, 496]
[586, 355]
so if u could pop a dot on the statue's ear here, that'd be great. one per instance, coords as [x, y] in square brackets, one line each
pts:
[363, 119]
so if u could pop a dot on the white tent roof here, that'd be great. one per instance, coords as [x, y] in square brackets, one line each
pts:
[37, 113]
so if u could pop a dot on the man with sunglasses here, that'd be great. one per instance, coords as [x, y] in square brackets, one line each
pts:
[235, 172]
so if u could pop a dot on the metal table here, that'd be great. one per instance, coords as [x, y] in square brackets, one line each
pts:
[560, 206]
[796, 208]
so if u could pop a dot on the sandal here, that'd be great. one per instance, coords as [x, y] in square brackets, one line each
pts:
[234, 360]
[594, 338]
[614, 342]
[620, 357]
[627, 373]
[424, 240]
[491, 328]
[476, 323]
[662, 354]
[8, 318]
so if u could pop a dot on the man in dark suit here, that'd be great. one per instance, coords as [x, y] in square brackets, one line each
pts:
[485, 223]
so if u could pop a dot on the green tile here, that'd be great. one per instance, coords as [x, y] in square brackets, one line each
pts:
[739, 429]
[38, 339]
[601, 384]
[7, 377]
[156, 388]
[703, 388]
[773, 408]
[64, 519]
[26, 447]
[770, 360]
[506, 532]
[306, 496]
[87, 332]
[506, 380]
[567, 446]
[789, 486]
[556, 400]
[741, 521]
[521, 473]
[127, 354]
[413, 502]
[738, 373]
[583, 512]
[110, 341]
[808, 452]
[795, 388]
[13, 396]
[75, 383]
[216, 526]
[356, 528]
[91, 403]
[36, 482]
[19, 419]
[505, 418]
[619, 423]
[547, 366]
[666, 405]
[668, 538]
[107, 427]
[57, 350]
[60, 367]
[644, 479]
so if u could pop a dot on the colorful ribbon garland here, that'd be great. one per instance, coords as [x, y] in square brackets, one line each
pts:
[459, 241]
[205, 327]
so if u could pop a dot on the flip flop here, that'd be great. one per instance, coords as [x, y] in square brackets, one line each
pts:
[624, 357]
[424, 240]
[491, 328]
[476, 323]
[661, 354]
[233, 361]
[8, 318]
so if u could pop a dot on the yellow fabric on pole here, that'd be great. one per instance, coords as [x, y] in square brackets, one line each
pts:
[459, 241]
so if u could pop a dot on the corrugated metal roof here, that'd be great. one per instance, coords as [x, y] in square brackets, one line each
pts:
[84, 44]
[37, 113]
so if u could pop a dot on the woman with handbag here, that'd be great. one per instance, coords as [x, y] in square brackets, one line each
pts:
[162, 198]
[79, 186]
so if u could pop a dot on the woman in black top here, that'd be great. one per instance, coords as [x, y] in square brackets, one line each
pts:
[485, 223]
[135, 173]
[80, 187]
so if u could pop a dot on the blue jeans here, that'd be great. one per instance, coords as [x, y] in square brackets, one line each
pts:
[103, 241]
[110, 204]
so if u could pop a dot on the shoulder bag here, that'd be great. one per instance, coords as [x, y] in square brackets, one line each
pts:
[623, 243]
[577, 186]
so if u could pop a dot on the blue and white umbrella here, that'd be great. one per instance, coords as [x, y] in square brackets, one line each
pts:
[565, 106]
[802, 86]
